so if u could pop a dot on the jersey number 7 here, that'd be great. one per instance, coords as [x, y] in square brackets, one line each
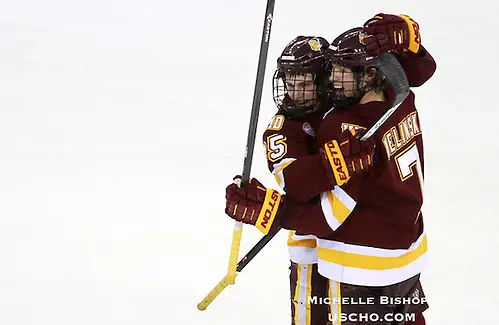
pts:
[409, 161]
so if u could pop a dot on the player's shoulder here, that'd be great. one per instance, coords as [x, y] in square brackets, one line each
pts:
[338, 120]
[277, 123]
[289, 127]
[406, 107]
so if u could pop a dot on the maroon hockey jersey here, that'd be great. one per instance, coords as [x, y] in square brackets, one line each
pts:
[370, 229]
[287, 140]
[388, 197]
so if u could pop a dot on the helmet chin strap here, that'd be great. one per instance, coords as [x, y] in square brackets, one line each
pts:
[343, 101]
[298, 112]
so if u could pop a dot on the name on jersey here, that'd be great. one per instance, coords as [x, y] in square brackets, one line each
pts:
[399, 135]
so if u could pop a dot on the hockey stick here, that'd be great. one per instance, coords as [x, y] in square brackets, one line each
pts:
[396, 76]
[258, 247]
[240, 266]
[230, 278]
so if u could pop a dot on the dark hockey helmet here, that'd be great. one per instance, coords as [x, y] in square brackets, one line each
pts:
[300, 80]
[350, 63]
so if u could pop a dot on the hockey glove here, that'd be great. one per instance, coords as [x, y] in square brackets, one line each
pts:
[253, 204]
[348, 155]
[391, 33]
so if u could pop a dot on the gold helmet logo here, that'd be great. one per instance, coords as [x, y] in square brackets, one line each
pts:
[315, 45]
[361, 38]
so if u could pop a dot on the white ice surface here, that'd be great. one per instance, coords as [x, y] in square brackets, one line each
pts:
[121, 123]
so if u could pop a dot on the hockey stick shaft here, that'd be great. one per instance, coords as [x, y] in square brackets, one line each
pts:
[248, 154]
[257, 95]
[253, 124]
[391, 68]
[257, 248]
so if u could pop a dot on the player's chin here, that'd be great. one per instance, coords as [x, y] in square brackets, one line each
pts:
[347, 92]
[308, 103]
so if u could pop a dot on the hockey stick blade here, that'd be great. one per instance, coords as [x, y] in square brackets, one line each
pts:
[213, 294]
[240, 266]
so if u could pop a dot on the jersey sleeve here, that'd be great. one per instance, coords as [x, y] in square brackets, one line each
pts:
[320, 216]
[305, 218]
[419, 67]
[292, 161]
[330, 208]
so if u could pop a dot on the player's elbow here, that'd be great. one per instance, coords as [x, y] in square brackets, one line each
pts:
[298, 193]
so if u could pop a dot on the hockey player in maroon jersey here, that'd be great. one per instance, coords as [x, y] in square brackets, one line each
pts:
[371, 241]
[300, 93]
[301, 96]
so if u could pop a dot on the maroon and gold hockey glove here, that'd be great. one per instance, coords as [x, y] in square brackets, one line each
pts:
[253, 204]
[391, 33]
[348, 155]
